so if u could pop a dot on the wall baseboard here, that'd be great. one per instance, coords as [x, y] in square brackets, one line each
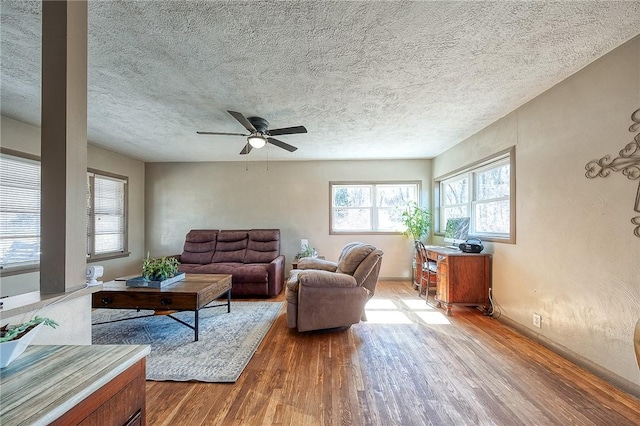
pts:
[617, 381]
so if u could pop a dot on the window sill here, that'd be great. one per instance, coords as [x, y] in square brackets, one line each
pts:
[365, 233]
[485, 238]
[107, 257]
[17, 270]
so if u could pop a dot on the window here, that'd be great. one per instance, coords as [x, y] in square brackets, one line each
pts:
[483, 193]
[370, 207]
[19, 212]
[106, 219]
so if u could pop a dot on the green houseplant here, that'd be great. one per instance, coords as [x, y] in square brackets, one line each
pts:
[159, 269]
[417, 221]
[15, 332]
[306, 251]
[14, 339]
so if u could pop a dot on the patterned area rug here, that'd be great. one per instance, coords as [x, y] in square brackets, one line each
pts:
[226, 343]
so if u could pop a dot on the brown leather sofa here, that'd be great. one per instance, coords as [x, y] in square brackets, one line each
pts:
[323, 294]
[251, 256]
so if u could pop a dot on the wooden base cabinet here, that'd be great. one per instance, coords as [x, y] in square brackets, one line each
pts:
[120, 402]
[101, 385]
[462, 278]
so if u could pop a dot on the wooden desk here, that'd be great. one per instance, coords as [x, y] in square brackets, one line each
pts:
[461, 278]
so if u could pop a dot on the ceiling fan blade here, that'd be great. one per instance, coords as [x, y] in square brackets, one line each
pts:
[243, 120]
[281, 144]
[246, 149]
[288, 131]
[221, 133]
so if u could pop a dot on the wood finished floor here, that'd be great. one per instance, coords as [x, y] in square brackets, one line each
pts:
[409, 365]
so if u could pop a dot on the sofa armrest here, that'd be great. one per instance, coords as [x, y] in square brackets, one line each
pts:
[276, 275]
[315, 278]
[317, 264]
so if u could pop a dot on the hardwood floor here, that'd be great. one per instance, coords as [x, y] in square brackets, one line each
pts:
[408, 365]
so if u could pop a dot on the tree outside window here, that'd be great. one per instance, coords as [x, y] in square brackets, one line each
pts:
[371, 206]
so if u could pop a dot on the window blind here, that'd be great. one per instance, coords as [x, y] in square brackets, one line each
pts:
[19, 211]
[106, 214]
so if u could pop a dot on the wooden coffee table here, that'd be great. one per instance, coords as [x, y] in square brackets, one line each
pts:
[193, 293]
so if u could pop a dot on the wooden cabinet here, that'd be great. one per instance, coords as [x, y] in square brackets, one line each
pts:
[461, 278]
[101, 385]
[120, 402]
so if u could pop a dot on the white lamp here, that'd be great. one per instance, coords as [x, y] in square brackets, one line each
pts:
[257, 141]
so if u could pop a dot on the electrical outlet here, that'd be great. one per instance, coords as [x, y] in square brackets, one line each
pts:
[537, 320]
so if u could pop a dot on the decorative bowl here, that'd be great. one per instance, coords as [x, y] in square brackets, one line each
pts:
[12, 349]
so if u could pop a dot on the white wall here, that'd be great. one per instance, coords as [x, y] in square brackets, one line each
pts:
[26, 138]
[291, 196]
[576, 261]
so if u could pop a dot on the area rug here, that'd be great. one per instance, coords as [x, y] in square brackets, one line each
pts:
[227, 341]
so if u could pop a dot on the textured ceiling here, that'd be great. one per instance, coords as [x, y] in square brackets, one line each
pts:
[369, 80]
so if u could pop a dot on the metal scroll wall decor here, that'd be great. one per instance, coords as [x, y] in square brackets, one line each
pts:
[627, 162]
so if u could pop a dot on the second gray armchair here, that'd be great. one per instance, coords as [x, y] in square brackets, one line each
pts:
[323, 294]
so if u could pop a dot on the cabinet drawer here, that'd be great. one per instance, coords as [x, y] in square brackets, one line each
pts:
[144, 300]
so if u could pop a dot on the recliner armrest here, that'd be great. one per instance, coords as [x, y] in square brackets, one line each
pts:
[315, 278]
[315, 263]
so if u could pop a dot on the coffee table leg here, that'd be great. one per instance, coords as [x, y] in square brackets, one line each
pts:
[228, 301]
[195, 328]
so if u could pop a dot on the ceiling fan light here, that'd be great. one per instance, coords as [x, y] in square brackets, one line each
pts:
[257, 141]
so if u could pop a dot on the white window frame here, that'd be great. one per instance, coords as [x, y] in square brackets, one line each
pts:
[503, 158]
[92, 254]
[373, 207]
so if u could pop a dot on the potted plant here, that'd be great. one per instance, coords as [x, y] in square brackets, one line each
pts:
[157, 273]
[14, 339]
[417, 221]
[159, 269]
[306, 251]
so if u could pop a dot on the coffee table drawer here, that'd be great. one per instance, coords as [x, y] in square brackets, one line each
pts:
[144, 300]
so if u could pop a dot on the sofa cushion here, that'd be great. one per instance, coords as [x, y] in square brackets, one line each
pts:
[199, 246]
[251, 273]
[352, 258]
[189, 268]
[231, 246]
[242, 273]
[218, 268]
[263, 245]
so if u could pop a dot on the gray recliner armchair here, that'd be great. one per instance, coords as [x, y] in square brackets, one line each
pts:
[323, 294]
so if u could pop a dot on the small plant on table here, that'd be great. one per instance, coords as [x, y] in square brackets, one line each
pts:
[306, 251]
[159, 269]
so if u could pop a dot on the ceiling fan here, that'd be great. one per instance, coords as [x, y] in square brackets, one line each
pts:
[260, 134]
